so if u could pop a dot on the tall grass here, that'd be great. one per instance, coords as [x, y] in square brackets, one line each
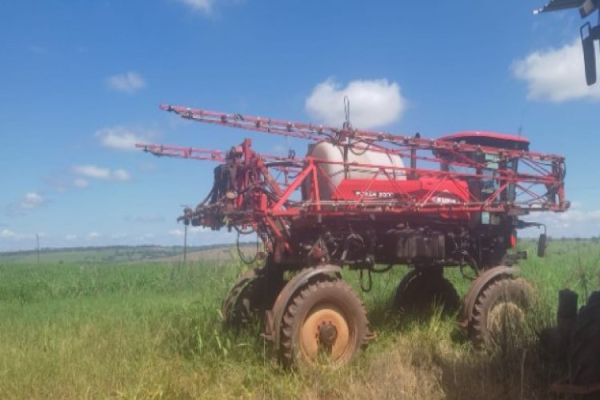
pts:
[152, 331]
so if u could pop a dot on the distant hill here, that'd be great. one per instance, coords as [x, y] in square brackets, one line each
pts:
[124, 254]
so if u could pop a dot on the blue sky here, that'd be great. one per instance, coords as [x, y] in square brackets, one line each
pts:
[81, 80]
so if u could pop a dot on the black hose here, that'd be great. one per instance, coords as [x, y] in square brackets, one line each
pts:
[369, 286]
[239, 251]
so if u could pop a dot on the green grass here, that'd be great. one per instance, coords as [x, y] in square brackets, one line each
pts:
[110, 254]
[152, 330]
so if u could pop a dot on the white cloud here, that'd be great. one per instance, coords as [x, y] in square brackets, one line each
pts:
[93, 235]
[204, 6]
[26, 204]
[575, 216]
[121, 175]
[70, 237]
[373, 103]
[556, 75]
[192, 230]
[92, 171]
[128, 82]
[80, 183]
[95, 172]
[575, 222]
[12, 235]
[7, 234]
[121, 138]
[176, 232]
[31, 200]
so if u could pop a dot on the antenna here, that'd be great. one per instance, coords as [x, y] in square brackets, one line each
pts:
[347, 125]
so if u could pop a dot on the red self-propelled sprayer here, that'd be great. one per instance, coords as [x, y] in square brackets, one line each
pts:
[371, 200]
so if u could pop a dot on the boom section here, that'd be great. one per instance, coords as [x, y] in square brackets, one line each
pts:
[453, 177]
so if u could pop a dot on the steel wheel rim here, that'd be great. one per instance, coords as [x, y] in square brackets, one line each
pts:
[320, 322]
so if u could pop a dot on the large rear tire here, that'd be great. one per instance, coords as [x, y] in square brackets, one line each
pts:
[499, 313]
[325, 322]
[420, 290]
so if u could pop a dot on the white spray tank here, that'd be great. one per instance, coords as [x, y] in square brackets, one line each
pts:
[331, 175]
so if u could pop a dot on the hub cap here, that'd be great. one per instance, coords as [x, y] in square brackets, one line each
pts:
[325, 331]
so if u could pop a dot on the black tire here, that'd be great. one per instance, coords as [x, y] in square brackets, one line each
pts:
[253, 293]
[584, 349]
[420, 290]
[325, 321]
[498, 317]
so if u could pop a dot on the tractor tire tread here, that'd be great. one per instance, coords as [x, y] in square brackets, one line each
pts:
[287, 356]
[478, 323]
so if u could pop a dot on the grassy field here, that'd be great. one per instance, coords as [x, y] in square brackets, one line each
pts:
[152, 331]
[118, 254]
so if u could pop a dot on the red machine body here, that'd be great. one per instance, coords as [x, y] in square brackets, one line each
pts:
[449, 201]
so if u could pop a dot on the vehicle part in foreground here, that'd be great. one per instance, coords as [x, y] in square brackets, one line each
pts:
[575, 343]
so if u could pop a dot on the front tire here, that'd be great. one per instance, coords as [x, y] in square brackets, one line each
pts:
[325, 321]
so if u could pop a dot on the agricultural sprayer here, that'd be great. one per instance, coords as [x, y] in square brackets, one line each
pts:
[369, 201]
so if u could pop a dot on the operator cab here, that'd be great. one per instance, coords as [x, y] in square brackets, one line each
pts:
[483, 163]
